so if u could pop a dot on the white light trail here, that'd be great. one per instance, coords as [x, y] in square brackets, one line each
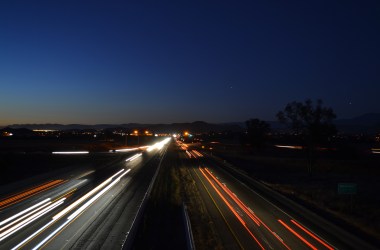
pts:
[133, 157]
[88, 203]
[158, 145]
[51, 235]
[32, 218]
[23, 212]
[81, 209]
[77, 202]
[126, 149]
[25, 216]
[70, 152]
[288, 146]
[32, 236]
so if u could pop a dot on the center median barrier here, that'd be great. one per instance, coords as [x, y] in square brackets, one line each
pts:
[130, 236]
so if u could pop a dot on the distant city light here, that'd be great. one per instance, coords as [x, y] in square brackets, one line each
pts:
[44, 130]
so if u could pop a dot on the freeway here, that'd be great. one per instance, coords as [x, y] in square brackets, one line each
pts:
[248, 215]
[85, 209]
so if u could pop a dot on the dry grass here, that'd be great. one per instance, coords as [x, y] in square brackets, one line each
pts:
[204, 233]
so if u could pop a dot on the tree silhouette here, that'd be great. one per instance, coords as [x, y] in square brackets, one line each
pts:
[257, 131]
[313, 122]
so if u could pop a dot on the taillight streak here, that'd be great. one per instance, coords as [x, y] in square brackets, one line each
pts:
[312, 235]
[232, 209]
[297, 235]
[246, 209]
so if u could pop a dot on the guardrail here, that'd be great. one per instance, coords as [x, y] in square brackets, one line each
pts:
[189, 232]
[127, 244]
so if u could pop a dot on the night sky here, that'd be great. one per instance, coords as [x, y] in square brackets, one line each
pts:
[181, 61]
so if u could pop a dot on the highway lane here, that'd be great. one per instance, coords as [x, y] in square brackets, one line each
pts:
[107, 223]
[271, 205]
[91, 228]
[217, 215]
[262, 224]
[236, 229]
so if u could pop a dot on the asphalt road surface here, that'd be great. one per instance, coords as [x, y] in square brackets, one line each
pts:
[249, 215]
[85, 209]
[96, 208]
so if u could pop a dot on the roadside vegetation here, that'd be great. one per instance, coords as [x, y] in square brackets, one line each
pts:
[204, 233]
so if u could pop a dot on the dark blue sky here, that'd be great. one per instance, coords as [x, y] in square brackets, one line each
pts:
[176, 61]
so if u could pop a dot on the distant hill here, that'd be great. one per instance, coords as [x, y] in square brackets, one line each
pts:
[367, 123]
[194, 127]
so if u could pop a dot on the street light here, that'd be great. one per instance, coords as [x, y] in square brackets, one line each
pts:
[136, 132]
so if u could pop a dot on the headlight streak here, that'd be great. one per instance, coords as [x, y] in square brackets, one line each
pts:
[32, 236]
[289, 146]
[81, 209]
[24, 223]
[51, 235]
[23, 212]
[375, 150]
[70, 152]
[158, 145]
[77, 202]
[133, 157]
[25, 216]
[125, 149]
[88, 203]
[36, 211]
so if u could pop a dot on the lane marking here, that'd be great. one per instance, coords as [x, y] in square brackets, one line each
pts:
[220, 211]
[246, 209]
[233, 211]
